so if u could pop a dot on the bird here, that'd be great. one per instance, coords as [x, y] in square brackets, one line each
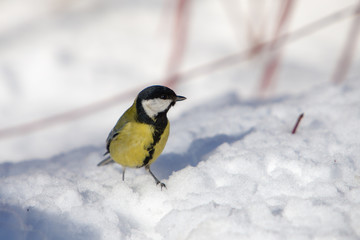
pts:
[141, 133]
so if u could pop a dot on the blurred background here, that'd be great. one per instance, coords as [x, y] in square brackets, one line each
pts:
[69, 69]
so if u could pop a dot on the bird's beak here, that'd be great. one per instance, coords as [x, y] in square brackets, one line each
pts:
[180, 98]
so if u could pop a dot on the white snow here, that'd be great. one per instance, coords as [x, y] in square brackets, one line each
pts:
[239, 173]
[232, 168]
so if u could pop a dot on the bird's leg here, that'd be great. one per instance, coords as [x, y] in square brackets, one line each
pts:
[155, 178]
[123, 174]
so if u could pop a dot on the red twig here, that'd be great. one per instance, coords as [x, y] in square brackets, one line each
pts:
[66, 116]
[273, 63]
[297, 123]
[349, 49]
[179, 42]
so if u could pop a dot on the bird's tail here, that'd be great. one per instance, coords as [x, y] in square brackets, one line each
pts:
[106, 161]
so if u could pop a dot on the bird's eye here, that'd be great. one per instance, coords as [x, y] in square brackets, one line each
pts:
[163, 97]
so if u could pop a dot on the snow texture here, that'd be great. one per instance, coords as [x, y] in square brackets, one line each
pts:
[233, 170]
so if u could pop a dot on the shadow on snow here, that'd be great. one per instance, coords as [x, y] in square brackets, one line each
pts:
[17, 223]
[198, 150]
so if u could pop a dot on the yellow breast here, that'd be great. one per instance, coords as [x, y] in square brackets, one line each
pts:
[131, 146]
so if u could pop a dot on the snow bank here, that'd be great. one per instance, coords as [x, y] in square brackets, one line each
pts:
[232, 170]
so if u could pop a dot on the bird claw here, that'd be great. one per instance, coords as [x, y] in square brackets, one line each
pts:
[155, 178]
[161, 185]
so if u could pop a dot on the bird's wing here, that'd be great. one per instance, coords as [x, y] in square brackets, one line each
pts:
[127, 117]
[114, 132]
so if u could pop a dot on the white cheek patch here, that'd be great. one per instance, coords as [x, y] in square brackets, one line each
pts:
[154, 106]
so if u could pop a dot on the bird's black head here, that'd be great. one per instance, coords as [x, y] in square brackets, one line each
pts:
[157, 99]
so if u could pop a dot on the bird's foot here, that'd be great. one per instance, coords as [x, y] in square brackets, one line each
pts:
[161, 184]
[155, 178]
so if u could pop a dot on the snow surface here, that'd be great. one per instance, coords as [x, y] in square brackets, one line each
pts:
[232, 170]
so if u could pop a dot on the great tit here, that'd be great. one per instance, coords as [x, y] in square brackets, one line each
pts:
[140, 134]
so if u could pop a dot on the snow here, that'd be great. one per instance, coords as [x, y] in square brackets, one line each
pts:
[232, 168]
[236, 174]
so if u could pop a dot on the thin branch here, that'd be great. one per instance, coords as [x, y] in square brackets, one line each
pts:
[297, 123]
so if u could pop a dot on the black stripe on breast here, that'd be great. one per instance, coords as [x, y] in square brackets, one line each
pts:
[160, 125]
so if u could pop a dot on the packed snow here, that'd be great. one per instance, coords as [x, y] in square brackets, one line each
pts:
[232, 168]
